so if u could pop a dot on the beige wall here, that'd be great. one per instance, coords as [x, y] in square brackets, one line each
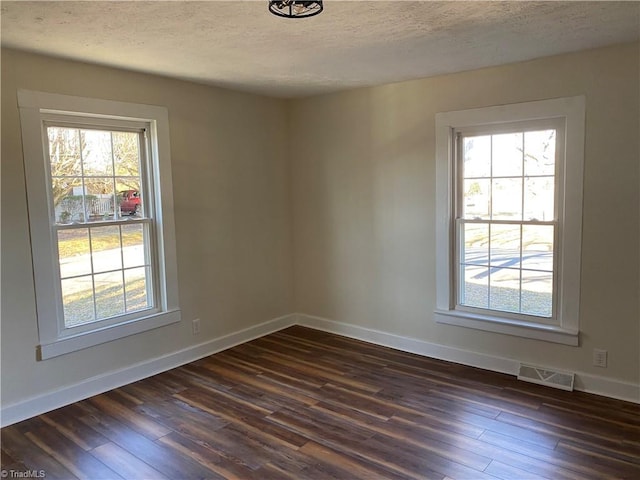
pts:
[364, 204]
[232, 207]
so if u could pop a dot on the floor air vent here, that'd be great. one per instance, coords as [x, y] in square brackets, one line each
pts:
[545, 376]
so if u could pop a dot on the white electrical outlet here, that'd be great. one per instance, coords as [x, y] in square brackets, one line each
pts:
[599, 358]
[195, 326]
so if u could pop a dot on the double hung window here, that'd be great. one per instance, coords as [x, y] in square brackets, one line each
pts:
[99, 186]
[509, 205]
[105, 248]
[507, 185]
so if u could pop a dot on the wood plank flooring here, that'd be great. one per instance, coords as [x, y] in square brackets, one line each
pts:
[304, 404]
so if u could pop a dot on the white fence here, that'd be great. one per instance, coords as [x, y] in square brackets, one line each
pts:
[79, 208]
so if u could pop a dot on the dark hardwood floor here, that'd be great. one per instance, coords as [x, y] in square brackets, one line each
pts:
[304, 404]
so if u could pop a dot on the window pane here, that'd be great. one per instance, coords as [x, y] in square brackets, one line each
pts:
[74, 253]
[67, 199]
[537, 246]
[136, 284]
[129, 197]
[537, 288]
[126, 154]
[507, 155]
[505, 246]
[474, 291]
[96, 153]
[105, 244]
[133, 251]
[476, 199]
[99, 198]
[77, 300]
[476, 244]
[539, 198]
[504, 289]
[506, 199]
[109, 294]
[64, 152]
[540, 152]
[477, 156]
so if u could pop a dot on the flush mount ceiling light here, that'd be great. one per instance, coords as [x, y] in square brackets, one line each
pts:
[295, 8]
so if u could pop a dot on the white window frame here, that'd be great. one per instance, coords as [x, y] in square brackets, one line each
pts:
[36, 108]
[566, 325]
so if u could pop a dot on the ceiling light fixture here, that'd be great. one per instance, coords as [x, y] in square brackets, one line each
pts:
[295, 8]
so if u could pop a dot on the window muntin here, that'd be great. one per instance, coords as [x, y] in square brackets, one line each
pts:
[104, 247]
[506, 220]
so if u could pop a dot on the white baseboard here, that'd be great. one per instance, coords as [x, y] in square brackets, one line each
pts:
[607, 387]
[411, 345]
[585, 382]
[108, 381]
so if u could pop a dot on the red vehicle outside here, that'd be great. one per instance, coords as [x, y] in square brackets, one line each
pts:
[130, 202]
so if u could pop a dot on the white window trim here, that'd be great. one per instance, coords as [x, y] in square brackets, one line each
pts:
[572, 109]
[33, 107]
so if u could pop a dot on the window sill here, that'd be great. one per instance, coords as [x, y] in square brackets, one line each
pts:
[95, 337]
[548, 333]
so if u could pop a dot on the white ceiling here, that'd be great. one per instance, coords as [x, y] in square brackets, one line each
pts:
[238, 44]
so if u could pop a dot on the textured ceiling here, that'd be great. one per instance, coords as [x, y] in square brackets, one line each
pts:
[352, 43]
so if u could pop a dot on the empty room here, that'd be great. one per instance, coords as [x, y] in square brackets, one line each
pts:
[320, 240]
